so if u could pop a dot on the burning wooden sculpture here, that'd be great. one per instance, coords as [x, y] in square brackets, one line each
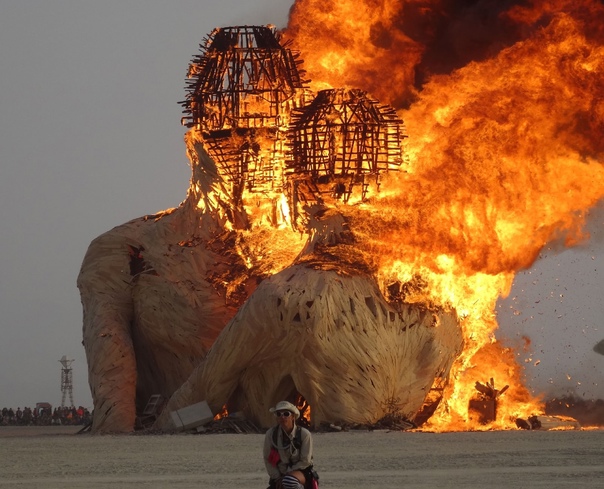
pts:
[484, 406]
[224, 299]
[344, 134]
[339, 141]
[239, 94]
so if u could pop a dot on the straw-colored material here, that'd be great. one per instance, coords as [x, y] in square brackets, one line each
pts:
[165, 312]
[331, 338]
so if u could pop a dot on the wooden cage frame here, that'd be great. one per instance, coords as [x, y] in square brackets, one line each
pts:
[242, 88]
[344, 134]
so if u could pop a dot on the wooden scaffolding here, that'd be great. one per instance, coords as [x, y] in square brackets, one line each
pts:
[241, 89]
[344, 137]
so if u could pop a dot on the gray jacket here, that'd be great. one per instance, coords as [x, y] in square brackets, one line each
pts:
[291, 458]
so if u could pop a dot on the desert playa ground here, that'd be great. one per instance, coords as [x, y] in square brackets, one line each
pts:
[55, 457]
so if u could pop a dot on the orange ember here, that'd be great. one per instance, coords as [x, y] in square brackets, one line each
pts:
[504, 114]
[304, 409]
[224, 412]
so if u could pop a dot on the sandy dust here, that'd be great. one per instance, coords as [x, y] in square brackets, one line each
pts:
[55, 457]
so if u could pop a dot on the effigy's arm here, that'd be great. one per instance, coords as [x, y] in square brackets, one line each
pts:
[104, 283]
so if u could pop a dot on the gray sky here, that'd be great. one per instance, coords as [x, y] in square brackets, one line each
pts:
[559, 304]
[90, 137]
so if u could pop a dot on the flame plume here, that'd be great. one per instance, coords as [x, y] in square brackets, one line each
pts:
[503, 107]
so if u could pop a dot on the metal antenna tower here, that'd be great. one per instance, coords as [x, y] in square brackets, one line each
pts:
[66, 382]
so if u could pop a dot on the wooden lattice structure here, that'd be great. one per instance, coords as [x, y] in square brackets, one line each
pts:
[240, 91]
[344, 136]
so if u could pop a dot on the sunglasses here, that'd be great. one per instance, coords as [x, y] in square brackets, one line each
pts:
[283, 414]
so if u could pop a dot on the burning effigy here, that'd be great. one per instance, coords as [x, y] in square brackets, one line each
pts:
[328, 253]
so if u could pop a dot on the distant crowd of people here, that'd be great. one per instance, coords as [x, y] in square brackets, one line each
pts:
[44, 415]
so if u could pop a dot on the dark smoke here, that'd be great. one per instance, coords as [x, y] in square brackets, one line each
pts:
[450, 33]
[455, 33]
[588, 412]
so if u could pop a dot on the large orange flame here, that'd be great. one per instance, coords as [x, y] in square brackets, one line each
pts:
[504, 111]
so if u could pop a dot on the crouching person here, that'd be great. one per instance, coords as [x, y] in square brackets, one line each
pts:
[288, 451]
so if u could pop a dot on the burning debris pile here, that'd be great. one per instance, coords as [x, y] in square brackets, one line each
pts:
[321, 256]
[485, 404]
